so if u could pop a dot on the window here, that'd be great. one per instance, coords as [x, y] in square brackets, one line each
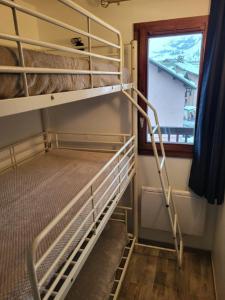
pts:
[170, 68]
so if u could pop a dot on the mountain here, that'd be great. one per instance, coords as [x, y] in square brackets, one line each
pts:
[181, 48]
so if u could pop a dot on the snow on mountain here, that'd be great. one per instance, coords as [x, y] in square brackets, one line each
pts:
[180, 48]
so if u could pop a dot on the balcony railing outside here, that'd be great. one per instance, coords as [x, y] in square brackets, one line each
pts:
[177, 135]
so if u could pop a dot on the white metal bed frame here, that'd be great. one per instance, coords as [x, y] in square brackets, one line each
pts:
[28, 103]
[122, 162]
[95, 228]
[22, 104]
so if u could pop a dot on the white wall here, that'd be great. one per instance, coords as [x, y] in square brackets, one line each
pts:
[18, 127]
[135, 11]
[101, 114]
[178, 170]
[219, 253]
[55, 9]
[123, 16]
[28, 25]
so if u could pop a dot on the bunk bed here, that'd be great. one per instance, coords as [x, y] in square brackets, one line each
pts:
[51, 169]
[40, 83]
[60, 189]
[106, 73]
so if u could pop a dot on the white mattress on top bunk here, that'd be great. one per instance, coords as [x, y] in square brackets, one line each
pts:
[38, 84]
[31, 196]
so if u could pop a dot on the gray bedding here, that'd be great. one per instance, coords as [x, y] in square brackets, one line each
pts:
[95, 280]
[12, 85]
[31, 197]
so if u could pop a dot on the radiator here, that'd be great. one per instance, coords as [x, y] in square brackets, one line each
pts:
[191, 211]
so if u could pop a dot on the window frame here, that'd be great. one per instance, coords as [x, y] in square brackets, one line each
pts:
[142, 32]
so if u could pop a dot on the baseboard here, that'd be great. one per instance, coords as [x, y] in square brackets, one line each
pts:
[214, 278]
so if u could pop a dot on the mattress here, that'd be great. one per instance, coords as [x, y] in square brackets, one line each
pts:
[31, 196]
[12, 84]
[95, 281]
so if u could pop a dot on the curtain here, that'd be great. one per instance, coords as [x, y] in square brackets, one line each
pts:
[207, 177]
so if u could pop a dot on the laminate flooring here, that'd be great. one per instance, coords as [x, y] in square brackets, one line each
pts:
[153, 275]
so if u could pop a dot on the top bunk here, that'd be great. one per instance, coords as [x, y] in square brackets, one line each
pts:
[37, 74]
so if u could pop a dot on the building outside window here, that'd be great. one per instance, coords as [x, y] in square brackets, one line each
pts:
[170, 62]
[173, 76]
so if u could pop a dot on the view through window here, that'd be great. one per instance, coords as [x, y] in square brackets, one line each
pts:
[173, 76]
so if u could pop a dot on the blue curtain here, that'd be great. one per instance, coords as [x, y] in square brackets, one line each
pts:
[207, 176]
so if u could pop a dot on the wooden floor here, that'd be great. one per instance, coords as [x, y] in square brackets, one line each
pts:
[153, 275]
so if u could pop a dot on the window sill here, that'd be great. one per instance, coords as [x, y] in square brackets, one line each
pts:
[171, 150]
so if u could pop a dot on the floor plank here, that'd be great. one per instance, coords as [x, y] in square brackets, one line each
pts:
[153, 275]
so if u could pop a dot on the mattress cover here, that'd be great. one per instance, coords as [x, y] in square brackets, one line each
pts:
[95, 281]
[12, 84]
[31, 197]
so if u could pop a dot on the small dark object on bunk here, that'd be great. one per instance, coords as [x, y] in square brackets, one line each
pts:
[77, 42]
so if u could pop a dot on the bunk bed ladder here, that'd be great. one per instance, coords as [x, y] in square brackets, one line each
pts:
[162, 170]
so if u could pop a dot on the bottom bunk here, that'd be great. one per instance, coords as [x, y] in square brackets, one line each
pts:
[101, 275]
[55, 203]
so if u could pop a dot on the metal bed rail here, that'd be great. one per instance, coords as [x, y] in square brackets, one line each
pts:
[11, 156]
[97, 142]
[122, 269]
[24, 70]
[120, 214]
[103, 193]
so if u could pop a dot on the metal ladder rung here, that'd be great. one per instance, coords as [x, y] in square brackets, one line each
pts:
[175, 226]
[168, 197]
[53, 293]
[181, 252]
[155, 129]
[127, 248]
[162, 163]
[119, 214]
[62, 276]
